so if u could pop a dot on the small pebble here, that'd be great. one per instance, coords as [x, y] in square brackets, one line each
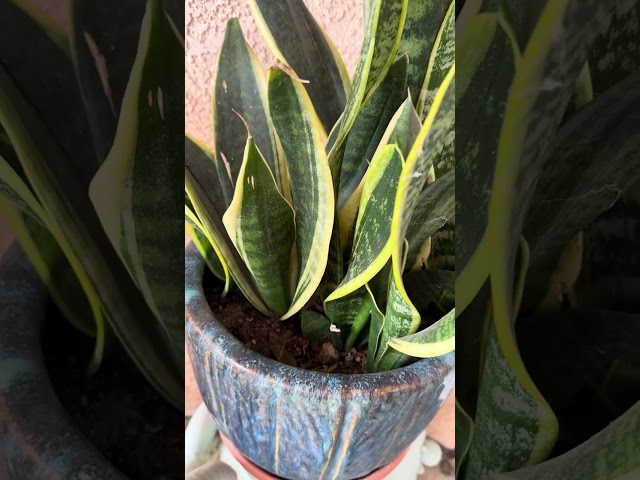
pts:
[431, 453]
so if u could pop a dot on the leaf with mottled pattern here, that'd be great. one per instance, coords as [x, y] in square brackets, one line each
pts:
[299, 41]
[240, 102]
[301, 134]
[138, 187]
[424, 19]
[372, 240]
[435, 340]
[443, 56]
[260, 223]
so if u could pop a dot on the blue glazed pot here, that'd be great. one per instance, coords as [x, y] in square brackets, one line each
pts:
[37, 438]
[303, 425]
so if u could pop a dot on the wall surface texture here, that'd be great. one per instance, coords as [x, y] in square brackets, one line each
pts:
[205, 24]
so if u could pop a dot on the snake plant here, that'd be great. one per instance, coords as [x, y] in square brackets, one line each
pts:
[323, 195]
[90, 169]
[548, 152]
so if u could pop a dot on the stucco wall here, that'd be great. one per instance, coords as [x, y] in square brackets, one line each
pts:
[205, 23]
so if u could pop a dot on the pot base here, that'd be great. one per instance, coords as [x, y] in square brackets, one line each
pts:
[260, 474]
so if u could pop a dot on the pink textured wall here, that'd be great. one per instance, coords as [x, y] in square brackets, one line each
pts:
[205, 24]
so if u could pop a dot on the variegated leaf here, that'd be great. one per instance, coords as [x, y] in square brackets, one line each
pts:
[487, 66]
[297, 40]
[608, 455]
[424, 19]
[103, 41]
[400, 320]
[209, 253]
[301, 134]
[435, 340]
[240, 102]
[379, 48]
[402, 131]
[139, 187]
[260, 223]
[435, 207]
[375, 331]
[211, 219]
[616, 50]
[50, 170]
[369, 128]
[401, 314]
[372, 240]
[599, 150]
[28, 35]
[442, 57]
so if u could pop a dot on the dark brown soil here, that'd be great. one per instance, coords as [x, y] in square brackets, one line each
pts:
[277, 339]
[116, 409]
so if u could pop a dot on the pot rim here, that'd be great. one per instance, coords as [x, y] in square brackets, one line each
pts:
[200, 317]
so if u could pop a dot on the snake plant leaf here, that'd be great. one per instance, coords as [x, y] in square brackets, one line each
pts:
[486, 71]
[421, 28]
[375, 331]
[372, 241]
[431, 286]
[615, 53]
[435, 207]
[517, 415]
[382, 37]
[103, 41]
[369, 127]
[600, 174]
[301, 134]
[608, 455]
[138, 187]
[209, 252]
[400, 320]
[260, 223]
[379, 48]
[402, 130]
[56, 273]
[85, 245]
[401, 315]
[24, 39]
[464, 437]
[435, 340]
[28, 222]
[532, 116]
[442, 57]
[239, 96]
[520, 158]
[211, 219]
[202, 163]
[366, 12]
[515, 423]
[298, 41]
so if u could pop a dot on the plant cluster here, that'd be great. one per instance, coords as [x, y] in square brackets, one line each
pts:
[548, 160]
[91, 167]
[331, 198]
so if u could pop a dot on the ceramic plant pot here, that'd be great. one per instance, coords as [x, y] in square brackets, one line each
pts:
[37, 439]
[259, 474]
[301, 425]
